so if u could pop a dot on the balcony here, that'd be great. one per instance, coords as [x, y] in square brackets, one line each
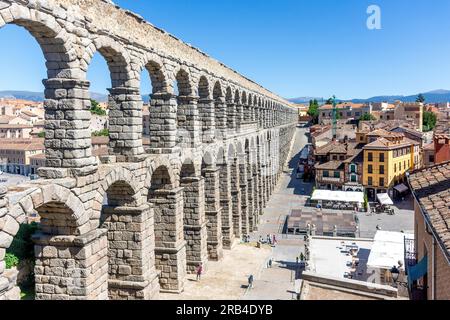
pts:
[416, 291]
[330, 180]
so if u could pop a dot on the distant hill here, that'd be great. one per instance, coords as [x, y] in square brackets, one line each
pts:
[39, 96]
[435, 96]
[304, 100]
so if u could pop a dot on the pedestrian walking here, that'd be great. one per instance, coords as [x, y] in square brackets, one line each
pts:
[270, 262]
[199, 271]
[250, 282]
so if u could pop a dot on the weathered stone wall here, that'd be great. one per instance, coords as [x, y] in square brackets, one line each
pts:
[131, 224]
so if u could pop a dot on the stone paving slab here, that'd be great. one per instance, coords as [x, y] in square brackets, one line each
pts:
[227, 279]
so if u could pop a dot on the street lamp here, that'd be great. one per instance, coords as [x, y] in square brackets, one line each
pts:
[395, 274]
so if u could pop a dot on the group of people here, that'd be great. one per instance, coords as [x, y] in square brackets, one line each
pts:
[270, 239]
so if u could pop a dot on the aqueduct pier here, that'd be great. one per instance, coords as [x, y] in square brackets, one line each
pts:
[132, 224]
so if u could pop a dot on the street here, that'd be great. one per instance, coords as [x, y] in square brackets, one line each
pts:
[278, 282]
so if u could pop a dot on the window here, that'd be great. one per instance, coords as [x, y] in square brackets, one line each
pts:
[353, 168]
[381, 157]
[357, 114]
[370, 156]
[370, 182]
[431, 158]
[370, 169]
[337, 174]
[349, 114]
[335, 157]
[353, 178]
[381, 169]
[326, 174]
[409, 163]
[381, 182]
[395, 167]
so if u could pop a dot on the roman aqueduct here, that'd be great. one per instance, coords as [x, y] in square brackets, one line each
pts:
[132, 224]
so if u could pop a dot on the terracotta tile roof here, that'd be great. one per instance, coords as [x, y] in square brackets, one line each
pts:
[28, 113]
[15, 126]
[431, 186]
[330, 165]
[429, 146]
[6, 119]
[29, 146]
[38, 156]
[385, 143]
[344, 105]
[331, 147]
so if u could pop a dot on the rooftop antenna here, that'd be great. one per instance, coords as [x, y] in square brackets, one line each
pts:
[334, 130]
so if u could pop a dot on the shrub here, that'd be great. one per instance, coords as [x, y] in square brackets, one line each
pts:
[22, 246]
[11, 261]
[101, 133]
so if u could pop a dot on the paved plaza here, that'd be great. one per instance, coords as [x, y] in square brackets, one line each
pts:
[11, 180]
[402, 220]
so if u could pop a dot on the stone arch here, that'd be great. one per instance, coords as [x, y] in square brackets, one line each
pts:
[188, 169]
[204, 90]
[155, 67]
[120, 215]
[120, 177]
[231, 151]
[229, 94]
[221, 157]
[116, 57]
[237, 96]
[194, 218]
[170, 246]
[56, 44]
[182, 77]
[217, 90]
[208, 159]
[244, 97]
[61, 212]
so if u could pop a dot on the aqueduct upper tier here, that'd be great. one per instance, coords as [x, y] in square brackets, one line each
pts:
[133, 223]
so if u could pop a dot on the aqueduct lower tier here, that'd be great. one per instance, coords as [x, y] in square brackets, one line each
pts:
[136, 222]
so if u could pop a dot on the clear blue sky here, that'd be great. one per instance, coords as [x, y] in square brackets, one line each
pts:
[292, 47]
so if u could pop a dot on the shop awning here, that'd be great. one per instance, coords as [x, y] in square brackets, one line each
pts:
[388, 249]
[401, 188]
[338, 196]
[385, 199]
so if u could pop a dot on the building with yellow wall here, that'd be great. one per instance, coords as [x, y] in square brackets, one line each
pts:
[387, 159]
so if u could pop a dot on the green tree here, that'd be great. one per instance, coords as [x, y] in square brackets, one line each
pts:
[420, 98]
[96, 109]
[41, 134]
[329, 101]
[367, 117]
[313, 110]
[429, 121]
